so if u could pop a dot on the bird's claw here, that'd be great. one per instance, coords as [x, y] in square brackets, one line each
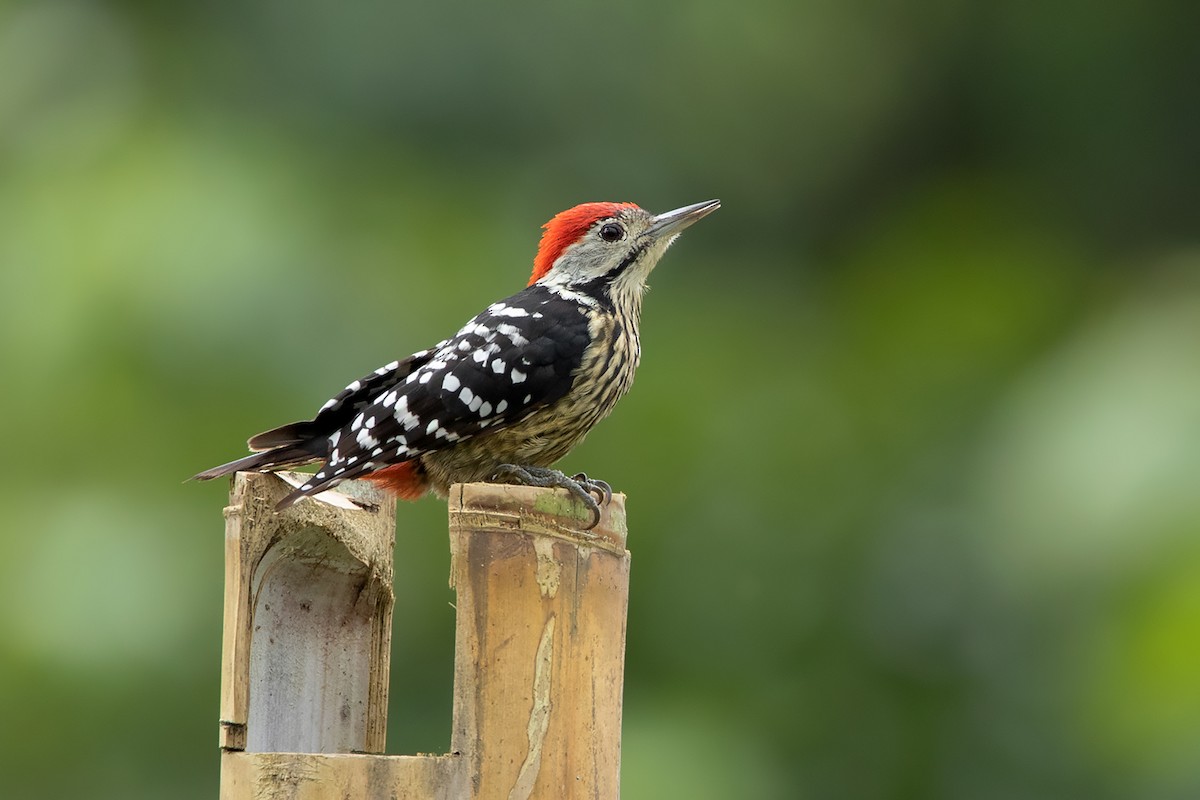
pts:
[580, 486]
[601, 488]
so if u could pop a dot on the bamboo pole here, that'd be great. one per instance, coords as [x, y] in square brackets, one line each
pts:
[539, 661]
[539, 655]
[308, 623]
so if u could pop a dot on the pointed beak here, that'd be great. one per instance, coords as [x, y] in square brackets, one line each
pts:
[672, 223]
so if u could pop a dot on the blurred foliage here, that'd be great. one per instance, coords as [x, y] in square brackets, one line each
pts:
[913, 457]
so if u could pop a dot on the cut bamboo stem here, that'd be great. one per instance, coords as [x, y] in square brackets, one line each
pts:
[539, 662]
[539, 654]
[308, 623]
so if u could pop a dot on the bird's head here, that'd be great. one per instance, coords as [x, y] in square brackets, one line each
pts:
[614, 243]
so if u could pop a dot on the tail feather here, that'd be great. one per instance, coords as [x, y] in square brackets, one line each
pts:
[277, 458]
[291, 434]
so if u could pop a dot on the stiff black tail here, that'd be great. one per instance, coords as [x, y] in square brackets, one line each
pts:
[267, 461]
[294, 433]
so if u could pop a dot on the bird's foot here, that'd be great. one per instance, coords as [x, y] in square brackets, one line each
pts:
[580, 486]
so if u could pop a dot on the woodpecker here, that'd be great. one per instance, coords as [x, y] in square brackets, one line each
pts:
[513, 391]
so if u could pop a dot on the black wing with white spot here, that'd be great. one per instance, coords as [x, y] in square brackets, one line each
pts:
[512, 359]
[343, 407]
[307, 441]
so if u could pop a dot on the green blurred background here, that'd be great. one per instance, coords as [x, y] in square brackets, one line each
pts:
[913, 458]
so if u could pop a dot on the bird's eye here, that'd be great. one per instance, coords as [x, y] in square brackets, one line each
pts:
[612, 232]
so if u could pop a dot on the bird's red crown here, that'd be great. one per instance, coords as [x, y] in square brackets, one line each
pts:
[565, 229]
